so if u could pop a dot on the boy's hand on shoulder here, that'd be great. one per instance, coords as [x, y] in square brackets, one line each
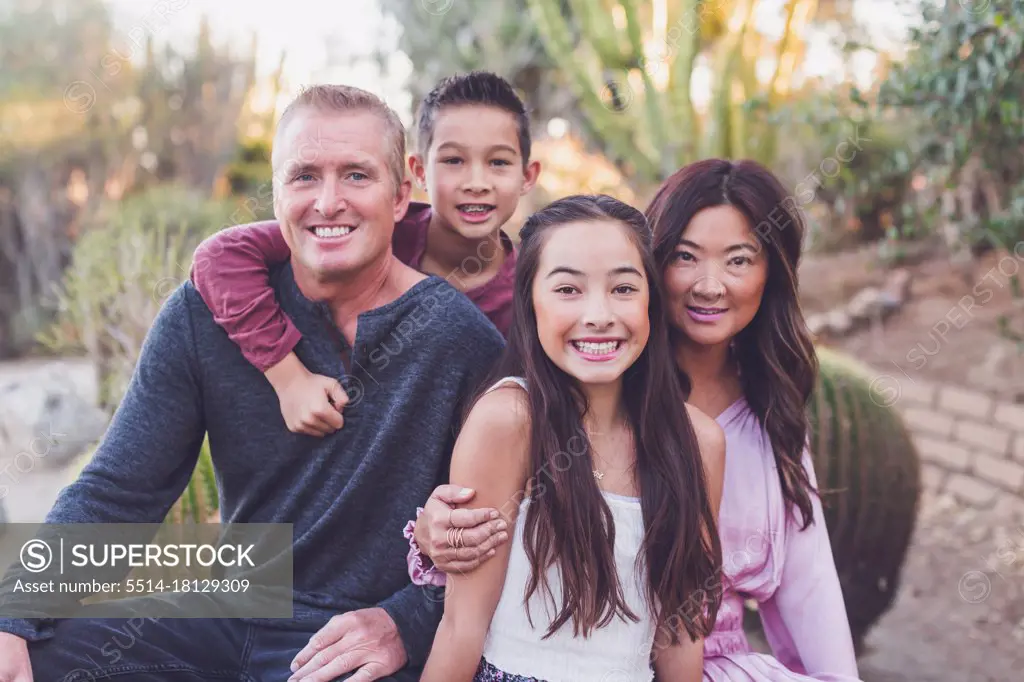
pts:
[310, 403]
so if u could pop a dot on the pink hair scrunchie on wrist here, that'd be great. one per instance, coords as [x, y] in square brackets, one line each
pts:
[421, 569]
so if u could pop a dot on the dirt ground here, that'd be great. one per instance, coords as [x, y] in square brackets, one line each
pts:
[959, 614]
[947, 332]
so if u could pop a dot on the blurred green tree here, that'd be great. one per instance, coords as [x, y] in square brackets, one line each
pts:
[963, 82]
[88, 115]
[250, 175]
[856, 166]
[133, 253]
[48, 130]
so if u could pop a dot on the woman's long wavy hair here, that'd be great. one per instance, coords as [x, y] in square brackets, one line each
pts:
[775, 355]
[568, 522]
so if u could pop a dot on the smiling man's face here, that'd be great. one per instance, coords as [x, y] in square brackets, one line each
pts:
[335, 197]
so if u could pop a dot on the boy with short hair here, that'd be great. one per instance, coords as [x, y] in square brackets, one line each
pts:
[472, 157]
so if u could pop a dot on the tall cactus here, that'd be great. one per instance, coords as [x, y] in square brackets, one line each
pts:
[869, 474]
[630, 63]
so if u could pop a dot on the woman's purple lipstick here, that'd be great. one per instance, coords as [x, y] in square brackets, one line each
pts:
[705, 314]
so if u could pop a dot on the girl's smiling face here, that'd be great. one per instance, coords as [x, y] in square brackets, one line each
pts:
[591, 296]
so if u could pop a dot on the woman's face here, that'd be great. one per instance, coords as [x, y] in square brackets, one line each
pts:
[716, 277]
[590, 295]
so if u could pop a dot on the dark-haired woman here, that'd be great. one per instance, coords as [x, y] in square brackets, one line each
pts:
[727, 245]
[582, 442]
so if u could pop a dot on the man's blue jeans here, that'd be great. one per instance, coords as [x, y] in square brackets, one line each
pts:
[170, 650]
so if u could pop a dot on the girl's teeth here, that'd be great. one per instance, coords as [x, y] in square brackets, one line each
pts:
[596, 348]
[327, 232]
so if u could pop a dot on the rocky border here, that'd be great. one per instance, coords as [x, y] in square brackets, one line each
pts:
[869, 305]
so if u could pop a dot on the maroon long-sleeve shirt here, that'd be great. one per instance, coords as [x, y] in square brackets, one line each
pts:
[231, 271]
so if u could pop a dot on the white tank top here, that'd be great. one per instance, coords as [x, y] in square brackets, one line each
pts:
[618, 652]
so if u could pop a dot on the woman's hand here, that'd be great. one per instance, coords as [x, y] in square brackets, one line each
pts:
[478, 531]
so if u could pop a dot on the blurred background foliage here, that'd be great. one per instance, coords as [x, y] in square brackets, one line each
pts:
[962, 89]
[148, 120]
[622, 92]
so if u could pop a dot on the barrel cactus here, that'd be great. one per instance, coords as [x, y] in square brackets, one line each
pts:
[868, 474]
[869, 477]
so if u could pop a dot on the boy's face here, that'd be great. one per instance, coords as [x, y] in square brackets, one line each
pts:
[474, 170]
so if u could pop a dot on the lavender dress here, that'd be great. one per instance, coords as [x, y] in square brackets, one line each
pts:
[790, 573]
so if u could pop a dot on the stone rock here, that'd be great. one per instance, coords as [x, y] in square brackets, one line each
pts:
[897, 285]
[47, 420]
[839, 322]
[868, 305]
[865, 305]
[817, 325]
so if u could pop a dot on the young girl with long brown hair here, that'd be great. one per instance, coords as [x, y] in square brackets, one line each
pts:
[582, 439]
[611, 483]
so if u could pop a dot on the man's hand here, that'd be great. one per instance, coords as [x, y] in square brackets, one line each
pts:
[14, 661]
[311, 403]
[483, 530]
[366, 639]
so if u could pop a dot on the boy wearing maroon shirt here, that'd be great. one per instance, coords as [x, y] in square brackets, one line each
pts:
[473, 159]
